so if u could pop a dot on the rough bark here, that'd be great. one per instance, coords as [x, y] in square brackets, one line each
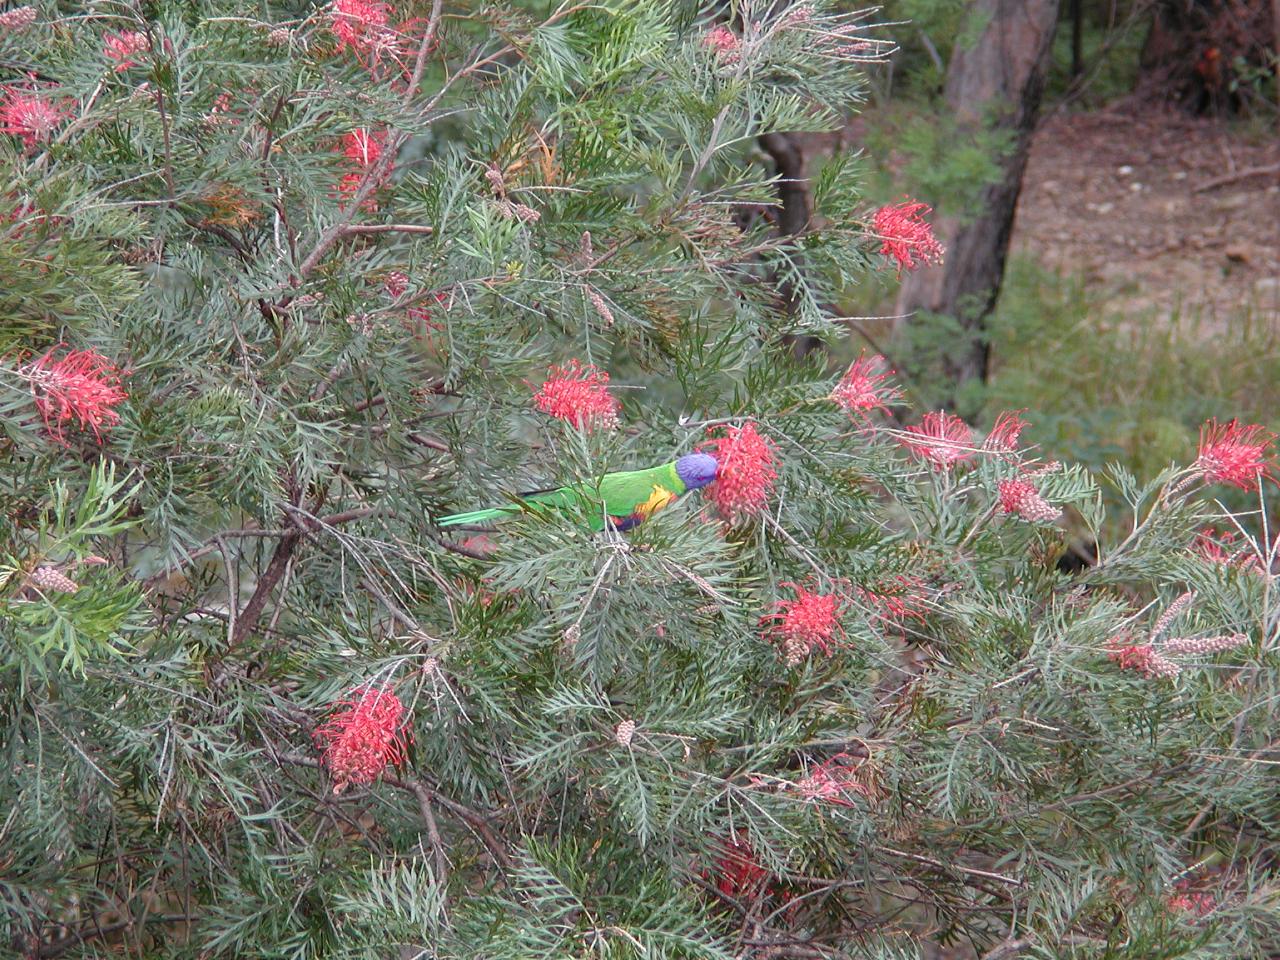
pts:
[996, 81]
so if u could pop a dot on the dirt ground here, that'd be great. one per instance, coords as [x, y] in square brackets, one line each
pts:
[1157, 209]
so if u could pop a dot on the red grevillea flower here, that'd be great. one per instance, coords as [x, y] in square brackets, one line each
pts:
[809, 622]
[1143, 658]
[738, 873]
[30, 116]
[898, 599]
[1218, 547]
[723, 42]
[123, 46]
[832, 781]
[1194, 902]
[363, 148]
[1211, 545]
[863, 387]
[83, 386]
[797, 15]
[1004, 434]
[363, 736]
[1234, 454]
[396, 284]
[25, 215]
[578, 394]
[746, 475]
[359, 24]
[906, 235]
[1021, 497]
[364, 27]
[940, 438]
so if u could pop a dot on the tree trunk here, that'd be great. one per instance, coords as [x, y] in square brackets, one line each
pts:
[1194, 50]
[1275, 49]
[1077, 39]
[995, 82]
[795, 209]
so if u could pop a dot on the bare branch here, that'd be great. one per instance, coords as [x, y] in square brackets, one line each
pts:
[433, 831]
[357, 228]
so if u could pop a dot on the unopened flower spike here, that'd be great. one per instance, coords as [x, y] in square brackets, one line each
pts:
[1020, 496]
[17, 19]
[1153, 659]
[624, 732]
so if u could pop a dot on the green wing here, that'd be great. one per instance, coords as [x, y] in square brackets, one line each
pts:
[620, 492]
[623, 492]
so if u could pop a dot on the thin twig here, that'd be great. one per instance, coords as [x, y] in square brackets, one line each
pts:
[164, 122]
[1238, 175]
[398, 615]
[58, 947]
[233, 589]
[355, 228]
[479, 822]
[458, 548]
[212, 543]
[974, 871]
[429, 442]
[1007, 949]
[433, 831]
[374, 174]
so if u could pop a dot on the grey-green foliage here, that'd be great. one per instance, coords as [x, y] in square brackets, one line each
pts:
[594, 724]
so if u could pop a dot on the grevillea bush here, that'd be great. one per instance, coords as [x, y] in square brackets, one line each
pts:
[284, 284]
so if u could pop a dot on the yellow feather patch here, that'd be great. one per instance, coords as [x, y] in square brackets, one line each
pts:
[660, 498]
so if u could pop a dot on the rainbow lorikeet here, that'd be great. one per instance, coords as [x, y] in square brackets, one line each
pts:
[630, 496]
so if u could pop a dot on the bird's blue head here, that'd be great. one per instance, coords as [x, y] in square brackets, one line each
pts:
[696, 469]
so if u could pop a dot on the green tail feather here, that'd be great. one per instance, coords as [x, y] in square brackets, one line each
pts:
[556, 496]
[477, 516]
